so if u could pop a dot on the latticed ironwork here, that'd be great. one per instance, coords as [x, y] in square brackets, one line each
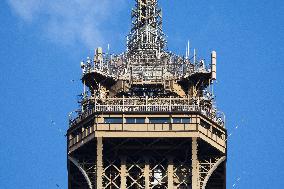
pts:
[135, 177]
[205, 166]
[182, 173]
[111, 176]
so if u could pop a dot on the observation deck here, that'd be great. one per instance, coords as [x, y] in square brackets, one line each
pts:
[148, 126]
[148, 117]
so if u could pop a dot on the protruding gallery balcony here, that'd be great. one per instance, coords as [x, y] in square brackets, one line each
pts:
[126, 125]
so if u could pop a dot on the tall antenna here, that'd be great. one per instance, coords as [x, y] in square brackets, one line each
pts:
[186, 53]
[146, 26]
[188, 49]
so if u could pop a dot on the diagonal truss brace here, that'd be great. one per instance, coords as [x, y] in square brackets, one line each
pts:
[76, 163]
[213, 167]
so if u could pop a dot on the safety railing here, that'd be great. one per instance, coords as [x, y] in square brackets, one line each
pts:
[216, 116]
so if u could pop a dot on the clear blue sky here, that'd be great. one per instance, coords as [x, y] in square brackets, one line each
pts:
[42, 43]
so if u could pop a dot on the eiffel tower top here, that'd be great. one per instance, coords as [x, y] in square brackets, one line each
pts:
[147, 70]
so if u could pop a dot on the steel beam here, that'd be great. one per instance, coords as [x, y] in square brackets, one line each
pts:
[170, 173]
[123, 172]
[195, 165]
[100, 163]
[147, 174]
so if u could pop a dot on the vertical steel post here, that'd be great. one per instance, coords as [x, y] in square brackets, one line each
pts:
[170, 173]
[147, 173]
[195, 164]
[100, 168]
[123, 172]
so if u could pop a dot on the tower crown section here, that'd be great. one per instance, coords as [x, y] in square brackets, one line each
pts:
[146, 77]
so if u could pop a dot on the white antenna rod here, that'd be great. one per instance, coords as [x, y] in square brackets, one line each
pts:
[188, 49]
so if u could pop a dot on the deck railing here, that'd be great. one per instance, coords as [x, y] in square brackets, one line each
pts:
[146, 105]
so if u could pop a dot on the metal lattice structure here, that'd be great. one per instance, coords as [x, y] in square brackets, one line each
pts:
[147, 117]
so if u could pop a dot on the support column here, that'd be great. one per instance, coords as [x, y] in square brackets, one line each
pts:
[147, 173]
[170, 173]
[123, 172]
[100, 168]
[195, 165]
